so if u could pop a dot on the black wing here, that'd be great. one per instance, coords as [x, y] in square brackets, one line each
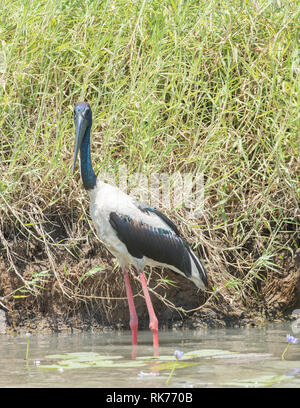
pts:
[159, 244]
[147, 209]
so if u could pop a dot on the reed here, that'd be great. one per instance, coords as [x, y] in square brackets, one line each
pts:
[174, 86]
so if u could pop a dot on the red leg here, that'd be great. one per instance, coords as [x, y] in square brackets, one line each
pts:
[153, 319]
[133, 316]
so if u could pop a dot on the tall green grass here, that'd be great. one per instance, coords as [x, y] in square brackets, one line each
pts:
[174, 86]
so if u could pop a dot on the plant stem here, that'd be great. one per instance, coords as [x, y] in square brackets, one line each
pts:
[27, 350]
[284, 351]
[171, 373]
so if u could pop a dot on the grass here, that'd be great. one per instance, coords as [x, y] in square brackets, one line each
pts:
[174, 86]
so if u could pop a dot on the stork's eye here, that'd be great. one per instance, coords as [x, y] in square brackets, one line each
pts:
[87, 112]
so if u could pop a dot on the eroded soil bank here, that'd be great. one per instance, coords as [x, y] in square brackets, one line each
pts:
[43, 290]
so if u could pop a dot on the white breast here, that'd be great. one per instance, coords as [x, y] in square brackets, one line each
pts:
[104, 199]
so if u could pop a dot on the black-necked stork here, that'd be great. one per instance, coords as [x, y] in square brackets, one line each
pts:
[136, 234]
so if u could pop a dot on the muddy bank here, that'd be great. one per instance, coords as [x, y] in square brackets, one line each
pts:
[81, 288]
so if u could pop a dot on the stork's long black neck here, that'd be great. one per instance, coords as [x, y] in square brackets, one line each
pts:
[87, 173]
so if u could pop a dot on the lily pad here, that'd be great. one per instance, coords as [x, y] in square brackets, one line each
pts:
[82, 356]
[65, 365]
[89, 360]
[157, 358]
[190, 355]
[73, 364]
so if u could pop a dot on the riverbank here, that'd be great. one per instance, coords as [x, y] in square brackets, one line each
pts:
[82, 296]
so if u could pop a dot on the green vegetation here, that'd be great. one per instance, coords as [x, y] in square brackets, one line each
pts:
[174, 86]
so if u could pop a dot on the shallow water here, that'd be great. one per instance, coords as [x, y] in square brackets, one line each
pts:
[237, 357]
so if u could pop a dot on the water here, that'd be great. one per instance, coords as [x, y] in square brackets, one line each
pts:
[237, 357]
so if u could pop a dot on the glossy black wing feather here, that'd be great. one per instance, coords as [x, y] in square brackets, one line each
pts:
[167, 220]
[159, 244]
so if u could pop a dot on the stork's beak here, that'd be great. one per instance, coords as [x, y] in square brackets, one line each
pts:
[80, 128]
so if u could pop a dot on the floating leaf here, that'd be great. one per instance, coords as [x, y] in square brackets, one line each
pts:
[88, 360]
[65, 365]
[157, 358]
[73, 364]
[190, 355]
[83, 356]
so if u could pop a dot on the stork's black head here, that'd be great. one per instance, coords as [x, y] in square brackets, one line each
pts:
[83, 121]
[83, 109]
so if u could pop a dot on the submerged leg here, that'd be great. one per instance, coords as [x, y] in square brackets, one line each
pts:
[153, 319]
[133, 316]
